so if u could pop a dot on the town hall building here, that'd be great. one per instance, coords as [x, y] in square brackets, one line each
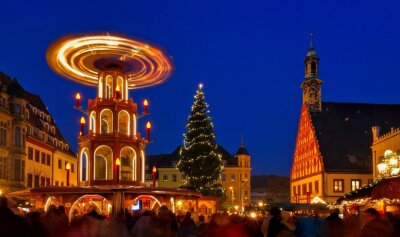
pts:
[333, 155]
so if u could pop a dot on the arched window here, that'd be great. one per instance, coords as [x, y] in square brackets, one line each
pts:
[109, 87]
[121, 87]
[128, 163]
[84, 165]
[143, 164]
[17, 136]
[103, 161]
[126, 90]
[101, 88]
[313, 67]
[134, 124]
[123, 122]
[106, 121]
[92, 122]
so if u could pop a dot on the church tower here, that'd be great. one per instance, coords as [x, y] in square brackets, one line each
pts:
[312, 84]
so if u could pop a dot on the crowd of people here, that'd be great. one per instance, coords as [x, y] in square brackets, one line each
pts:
[369, 224]
[165, 223]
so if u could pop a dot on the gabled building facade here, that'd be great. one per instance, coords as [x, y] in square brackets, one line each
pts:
[332, 154]
[33, 152]
[235, 177]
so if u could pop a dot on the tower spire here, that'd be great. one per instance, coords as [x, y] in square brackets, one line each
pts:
[312, 84]
[242, 141]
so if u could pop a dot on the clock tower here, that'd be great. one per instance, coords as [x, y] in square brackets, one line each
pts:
[312, 84]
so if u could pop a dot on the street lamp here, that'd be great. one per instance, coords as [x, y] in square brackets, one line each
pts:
[154, 176]
[118, 164]
[233, 197]
[67, 168]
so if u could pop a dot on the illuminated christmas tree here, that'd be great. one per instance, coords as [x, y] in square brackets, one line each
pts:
[200, 161]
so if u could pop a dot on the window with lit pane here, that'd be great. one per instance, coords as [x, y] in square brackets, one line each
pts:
[338, 185]
[355, 184]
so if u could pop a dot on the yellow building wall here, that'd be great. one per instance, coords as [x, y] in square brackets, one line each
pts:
[236, 190]
[35, 166]
[43, 169]
[60, 174]
[165, 178]
[316, 189]
[331, 195]
[232, 186]
[388, 141]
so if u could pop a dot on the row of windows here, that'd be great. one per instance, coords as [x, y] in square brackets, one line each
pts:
[60, 165]
[338, 186]
[232, 177]
[38, 156]
[43, 136]
[174, 177]
[304, 189]
[35, 181]
[245, 163]
[41, 114]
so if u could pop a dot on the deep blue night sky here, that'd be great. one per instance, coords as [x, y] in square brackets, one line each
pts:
[248, 54]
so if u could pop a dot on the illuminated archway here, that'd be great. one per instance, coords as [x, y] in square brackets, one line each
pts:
[50, 201]
[109, 87]
[123, 122]
[143, 164]
[103, 161]
[100, 88]
[84, 165]
[153, 201]
[128, 163]
[106, 121]
[121, 86]
[134, 124]
[89, 202]
[92, 122]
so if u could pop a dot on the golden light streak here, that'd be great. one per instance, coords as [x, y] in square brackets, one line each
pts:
[76, 58]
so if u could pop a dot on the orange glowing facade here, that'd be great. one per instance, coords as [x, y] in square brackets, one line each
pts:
[333, 156]
[112, 135]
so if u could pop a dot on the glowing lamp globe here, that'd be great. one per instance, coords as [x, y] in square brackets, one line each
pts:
[382, 167]
[387, 152]
[393, 161]
[395, 171]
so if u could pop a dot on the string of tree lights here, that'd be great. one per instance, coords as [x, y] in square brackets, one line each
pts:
[200, 161]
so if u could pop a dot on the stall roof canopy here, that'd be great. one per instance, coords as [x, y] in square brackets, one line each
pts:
[387, 188]
[384, 188]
